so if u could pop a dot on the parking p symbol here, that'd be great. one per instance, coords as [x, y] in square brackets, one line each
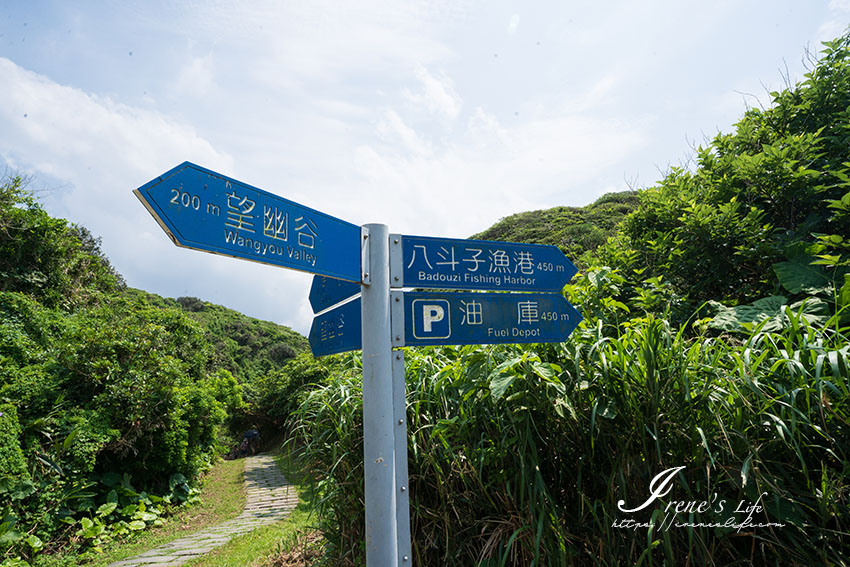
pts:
[431, 319]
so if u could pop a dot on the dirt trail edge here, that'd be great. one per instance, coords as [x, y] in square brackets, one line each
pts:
[270, 498]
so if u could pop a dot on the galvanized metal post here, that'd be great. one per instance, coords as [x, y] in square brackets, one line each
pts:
[378, 428]
[401, 479]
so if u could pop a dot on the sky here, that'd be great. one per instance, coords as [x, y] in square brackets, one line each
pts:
[436, 118]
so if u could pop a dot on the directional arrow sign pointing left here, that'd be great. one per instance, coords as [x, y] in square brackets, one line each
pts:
[205, 210]
[327, 292]
[337, 330]
[481, 318]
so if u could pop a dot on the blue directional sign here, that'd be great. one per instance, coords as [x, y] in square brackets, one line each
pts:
[446, 263]
[337, 330]
[205, 210]
[327, 292]
[484, 318]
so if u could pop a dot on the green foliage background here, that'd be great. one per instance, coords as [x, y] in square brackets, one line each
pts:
[715, 339]
[113, 400]
[716, 311]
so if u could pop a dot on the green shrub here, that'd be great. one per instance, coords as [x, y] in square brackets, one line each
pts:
[519, 455]
[12, 462]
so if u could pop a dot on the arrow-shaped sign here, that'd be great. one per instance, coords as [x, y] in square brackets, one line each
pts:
[327, 292]
[337, 330]
[205, 210]
[447, 263]
[481, 318]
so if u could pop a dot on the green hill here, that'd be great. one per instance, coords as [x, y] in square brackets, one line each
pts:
[575, 230]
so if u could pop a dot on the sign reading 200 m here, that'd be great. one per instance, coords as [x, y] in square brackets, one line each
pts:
[205, 210]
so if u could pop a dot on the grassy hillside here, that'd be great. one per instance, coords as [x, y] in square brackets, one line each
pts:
[575, 230]
[245, 346]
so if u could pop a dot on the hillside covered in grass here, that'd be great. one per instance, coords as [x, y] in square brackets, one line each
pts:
[575, 230]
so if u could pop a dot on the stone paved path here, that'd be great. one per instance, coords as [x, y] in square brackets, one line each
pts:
[270, 498]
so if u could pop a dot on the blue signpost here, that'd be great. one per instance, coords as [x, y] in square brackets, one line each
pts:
[205, 210]
[446, 263]
[482, 318]
[327, 292]
[337, 330]
[208, 211]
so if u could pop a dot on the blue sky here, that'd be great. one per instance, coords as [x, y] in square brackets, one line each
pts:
[436, 118]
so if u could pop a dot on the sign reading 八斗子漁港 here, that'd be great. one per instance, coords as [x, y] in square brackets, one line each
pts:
[447, 263]
[208, 211]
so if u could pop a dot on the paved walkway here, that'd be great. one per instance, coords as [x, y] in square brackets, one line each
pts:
[270, 498]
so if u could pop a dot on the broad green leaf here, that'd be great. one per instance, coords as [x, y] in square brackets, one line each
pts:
[798, 275]
[145, 516]
[110, 479]
[9, 537]
[734, 318]
[814, 310]
[35, 543]
[844, 292]
[502, 376]
[106, 509]
[499, 383]
[23, 490]
[129, 509]
[546, 370]
[69, 440]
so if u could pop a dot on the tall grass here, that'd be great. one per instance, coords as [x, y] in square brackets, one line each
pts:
[519, 455]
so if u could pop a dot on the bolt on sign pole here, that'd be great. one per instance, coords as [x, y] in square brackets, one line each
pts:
[378, 428]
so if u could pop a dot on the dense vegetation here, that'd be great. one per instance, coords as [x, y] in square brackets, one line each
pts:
[112, 400]
[715, 346]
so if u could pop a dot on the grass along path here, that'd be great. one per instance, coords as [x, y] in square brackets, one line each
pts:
[222, 498]
[270, 498]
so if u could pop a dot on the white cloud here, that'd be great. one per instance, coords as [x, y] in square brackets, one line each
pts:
[61, 127]
[196, 77]
[402, 137]
[437, 95]
[836, 25]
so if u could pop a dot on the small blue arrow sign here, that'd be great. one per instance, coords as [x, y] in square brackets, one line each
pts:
[484, 318]
[205, 210]
[337, 330]
[327, 292]
[446, 263]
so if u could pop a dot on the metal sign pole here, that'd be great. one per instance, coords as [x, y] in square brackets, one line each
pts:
[401, 478]
[378, 428]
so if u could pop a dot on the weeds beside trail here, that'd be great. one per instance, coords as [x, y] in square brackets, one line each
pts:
[520, 455]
